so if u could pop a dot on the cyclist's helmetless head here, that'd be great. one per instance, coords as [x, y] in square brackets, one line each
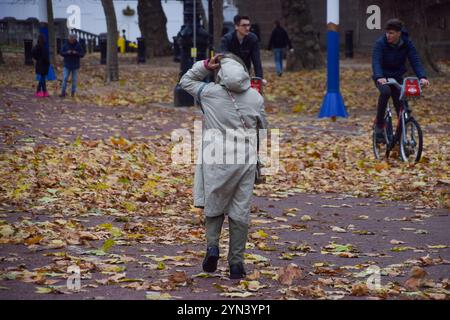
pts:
[242, 25]
[393, 29]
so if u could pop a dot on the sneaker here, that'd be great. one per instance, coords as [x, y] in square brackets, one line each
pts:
[72, 94]
[38, 94]
[211, 258]
[237, 271]
[62, 95]
[45, 94]
[379, 135]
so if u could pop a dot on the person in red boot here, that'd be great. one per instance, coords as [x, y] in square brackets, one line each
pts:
[41, 54]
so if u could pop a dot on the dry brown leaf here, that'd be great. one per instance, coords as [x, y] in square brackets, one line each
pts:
[289, 273]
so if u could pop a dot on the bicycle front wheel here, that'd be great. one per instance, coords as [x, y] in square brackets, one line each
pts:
[411, 144]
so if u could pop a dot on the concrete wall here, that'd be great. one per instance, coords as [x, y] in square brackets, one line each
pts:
[13, 31]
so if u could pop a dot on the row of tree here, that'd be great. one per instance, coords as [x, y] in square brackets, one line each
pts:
[297, 18]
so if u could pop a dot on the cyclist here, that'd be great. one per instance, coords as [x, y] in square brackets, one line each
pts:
[388, 61]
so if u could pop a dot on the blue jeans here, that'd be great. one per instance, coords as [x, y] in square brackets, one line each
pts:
[41, 84]
[66, 73]
[278, 55]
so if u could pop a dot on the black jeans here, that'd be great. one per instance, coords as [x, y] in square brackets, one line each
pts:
[42, 85]
[387, 91]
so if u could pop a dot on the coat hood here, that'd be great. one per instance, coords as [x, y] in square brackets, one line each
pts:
[233, 76]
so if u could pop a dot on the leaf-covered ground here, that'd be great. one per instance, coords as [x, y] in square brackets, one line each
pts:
[89, 182]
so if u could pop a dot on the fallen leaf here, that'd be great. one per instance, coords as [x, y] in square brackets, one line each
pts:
[289, 273]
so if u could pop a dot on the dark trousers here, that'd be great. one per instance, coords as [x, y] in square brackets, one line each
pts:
[238, 237]
[41, 84]
[387, 91]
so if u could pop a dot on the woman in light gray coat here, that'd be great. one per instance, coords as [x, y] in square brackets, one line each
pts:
[231, 109]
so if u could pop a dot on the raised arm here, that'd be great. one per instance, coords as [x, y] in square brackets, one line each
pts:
[192, 80]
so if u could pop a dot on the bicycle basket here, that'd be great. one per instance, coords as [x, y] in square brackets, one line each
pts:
[411, 88]
[256, 83]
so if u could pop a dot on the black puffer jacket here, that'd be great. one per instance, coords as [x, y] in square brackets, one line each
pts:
[42, 57]
[248, 51]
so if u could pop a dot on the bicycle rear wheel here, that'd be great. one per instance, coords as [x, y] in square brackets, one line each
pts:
[412, 144]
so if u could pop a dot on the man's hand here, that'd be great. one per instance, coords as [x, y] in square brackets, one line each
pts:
[382, 81]
[424, 82]
[214, 63]
[291, 50]
[264, 82]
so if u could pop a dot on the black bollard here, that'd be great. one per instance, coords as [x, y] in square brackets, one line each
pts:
[141, 50]
[28, 46]
[181, 97]
[103, 48]
[349, 44]
[89, 45]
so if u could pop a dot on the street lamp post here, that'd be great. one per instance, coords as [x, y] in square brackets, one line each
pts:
[194, 43]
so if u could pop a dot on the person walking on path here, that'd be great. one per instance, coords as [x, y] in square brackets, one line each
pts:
[41, 54]
[229, 105]
[279, 40]
[72, 53]
[244, 44]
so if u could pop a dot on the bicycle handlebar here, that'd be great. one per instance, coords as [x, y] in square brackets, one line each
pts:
[392, 81]
[412, 92]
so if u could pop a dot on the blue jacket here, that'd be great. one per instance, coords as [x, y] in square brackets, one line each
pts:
[248, 51]
[389, 61]
[72, 60]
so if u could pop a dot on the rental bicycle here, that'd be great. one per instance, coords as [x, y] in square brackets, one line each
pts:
[408, 133]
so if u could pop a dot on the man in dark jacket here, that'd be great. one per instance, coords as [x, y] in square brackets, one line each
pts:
[388, 61]
[279, 40]
[244, 44]
[72, 52]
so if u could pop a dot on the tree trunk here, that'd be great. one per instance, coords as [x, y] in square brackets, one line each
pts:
[298, 21]
[413, 14]
[51, 33]
[218, 22]
[152, 23]
[112, 61]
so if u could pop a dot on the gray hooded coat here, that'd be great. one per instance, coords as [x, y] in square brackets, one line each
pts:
[222, 187]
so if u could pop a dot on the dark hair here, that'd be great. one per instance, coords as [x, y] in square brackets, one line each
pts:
[277, 23]
[394, 24]
[41, 40]
[237, 19]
